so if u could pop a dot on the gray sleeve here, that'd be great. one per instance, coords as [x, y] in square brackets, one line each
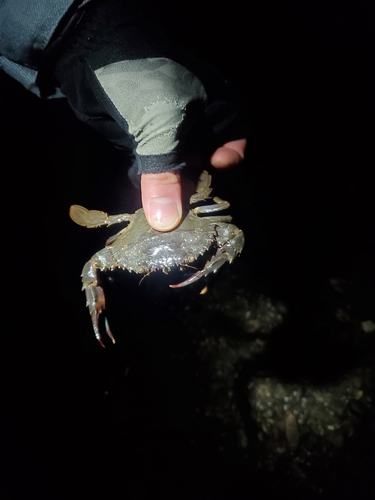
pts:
[152, 96]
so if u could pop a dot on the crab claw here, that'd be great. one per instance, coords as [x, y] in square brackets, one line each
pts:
[96, 304]
[231, 241]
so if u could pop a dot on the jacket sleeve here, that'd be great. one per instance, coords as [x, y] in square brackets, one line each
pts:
[27, 29]
[123, 75]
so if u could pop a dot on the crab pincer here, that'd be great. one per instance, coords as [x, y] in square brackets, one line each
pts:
[96, 304]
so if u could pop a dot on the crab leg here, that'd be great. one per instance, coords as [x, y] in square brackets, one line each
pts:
[211, 267]
[231, 242]
[203, 188]
[218, 207]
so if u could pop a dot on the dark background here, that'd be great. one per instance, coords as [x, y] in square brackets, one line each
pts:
[81, 421]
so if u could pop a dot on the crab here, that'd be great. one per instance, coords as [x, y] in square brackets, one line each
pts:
[141, 249]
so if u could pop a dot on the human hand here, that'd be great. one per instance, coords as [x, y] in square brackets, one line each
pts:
[162, 193]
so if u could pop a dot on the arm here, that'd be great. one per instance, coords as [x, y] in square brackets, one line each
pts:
[124, 77]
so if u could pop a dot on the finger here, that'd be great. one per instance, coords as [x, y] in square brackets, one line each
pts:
[161, 199]
[230, 154]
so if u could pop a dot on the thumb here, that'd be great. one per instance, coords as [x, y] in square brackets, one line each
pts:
[161, 199]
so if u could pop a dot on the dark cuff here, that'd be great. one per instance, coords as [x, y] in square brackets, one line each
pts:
[152, 164]
[192, 163]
